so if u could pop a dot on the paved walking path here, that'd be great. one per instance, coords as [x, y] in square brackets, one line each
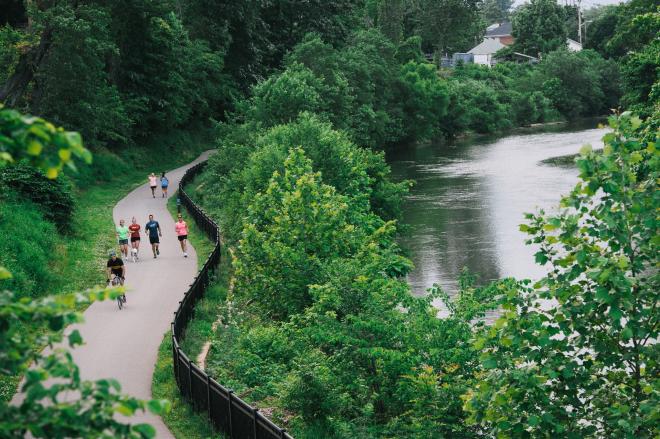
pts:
[124, 344]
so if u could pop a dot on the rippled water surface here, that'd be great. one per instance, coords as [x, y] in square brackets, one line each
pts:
[470, 197]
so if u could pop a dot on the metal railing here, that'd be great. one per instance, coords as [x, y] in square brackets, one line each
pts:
[227, 412]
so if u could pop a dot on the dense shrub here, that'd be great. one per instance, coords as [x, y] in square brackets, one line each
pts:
[53, 197]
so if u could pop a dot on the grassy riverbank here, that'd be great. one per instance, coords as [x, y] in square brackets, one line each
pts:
[182, 420]
[79, 258]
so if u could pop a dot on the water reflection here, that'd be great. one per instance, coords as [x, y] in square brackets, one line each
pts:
[470, 197]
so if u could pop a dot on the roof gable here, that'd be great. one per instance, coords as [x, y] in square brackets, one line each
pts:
[487, 47]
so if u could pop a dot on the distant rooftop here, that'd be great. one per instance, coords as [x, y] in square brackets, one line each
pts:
[499, 29]
[487, 47]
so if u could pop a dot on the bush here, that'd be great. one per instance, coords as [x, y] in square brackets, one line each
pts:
[53, 197]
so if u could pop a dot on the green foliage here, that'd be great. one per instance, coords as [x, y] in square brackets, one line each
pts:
[579, 83]
[43, 410]
[28, 248]
[281, 98]
[75, 72]
[424, 98]
[495, 11]
[54, 197]
[574, 354]
[296, 222]
[40, 142]
[539, 28]
[11, 40]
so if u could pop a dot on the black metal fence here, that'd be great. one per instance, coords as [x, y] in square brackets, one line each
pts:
[226, 411]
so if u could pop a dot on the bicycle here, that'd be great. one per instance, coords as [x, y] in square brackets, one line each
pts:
[116, 281]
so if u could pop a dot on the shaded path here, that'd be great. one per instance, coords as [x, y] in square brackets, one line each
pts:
[124, 344]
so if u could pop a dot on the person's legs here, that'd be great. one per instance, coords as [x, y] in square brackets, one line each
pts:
[153, 191]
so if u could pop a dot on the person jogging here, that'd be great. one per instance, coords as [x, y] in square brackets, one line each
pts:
[122, 237]
[153, 182]
[153, 229]
[164, 183]
[181, 229]
[134, 228]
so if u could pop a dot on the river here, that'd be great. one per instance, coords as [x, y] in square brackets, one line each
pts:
[470, 197]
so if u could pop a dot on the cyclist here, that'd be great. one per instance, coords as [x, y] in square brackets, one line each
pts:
[153, 229]
[122, 237]
[164, 183]
[153, 182]
[181, 229]
[116, 267]
[135, 236]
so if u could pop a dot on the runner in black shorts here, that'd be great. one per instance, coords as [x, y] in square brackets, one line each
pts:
[134, 228]
[153, 229]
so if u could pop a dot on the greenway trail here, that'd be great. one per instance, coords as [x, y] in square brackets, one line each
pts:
[124, 344]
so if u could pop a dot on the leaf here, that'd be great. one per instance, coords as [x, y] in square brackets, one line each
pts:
[52, 173]
[159, 406]
[125, 409]
[533, 421]
[635, 122]
[75, 338]
[585, 150]
[65, 154]
[34, 148]
[627, 333]
[144, 430]
[4, 273]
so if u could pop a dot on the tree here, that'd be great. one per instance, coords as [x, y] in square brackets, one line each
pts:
[297, 222]
[74, 71]
[496, 11]
[424, 99]
[576, 82]
[539, 27]
[574, 355]
[446, 26]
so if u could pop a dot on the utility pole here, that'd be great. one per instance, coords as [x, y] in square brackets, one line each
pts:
[579, 12]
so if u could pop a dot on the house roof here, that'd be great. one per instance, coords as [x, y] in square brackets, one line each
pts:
[487, 47]
[499, 29]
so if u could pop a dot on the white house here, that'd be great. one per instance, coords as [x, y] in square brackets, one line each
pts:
[484, 53]
[573, 45]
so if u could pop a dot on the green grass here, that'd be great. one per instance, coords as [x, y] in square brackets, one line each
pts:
[81, 256]
[182, 421]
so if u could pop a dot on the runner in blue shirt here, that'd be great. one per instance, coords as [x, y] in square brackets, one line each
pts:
[153, 229]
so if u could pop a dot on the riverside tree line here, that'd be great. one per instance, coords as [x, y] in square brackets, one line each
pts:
[302, 96]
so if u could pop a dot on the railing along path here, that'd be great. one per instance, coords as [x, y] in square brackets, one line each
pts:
[227, 412]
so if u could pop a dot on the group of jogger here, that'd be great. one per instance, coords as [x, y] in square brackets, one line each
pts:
[115, 265]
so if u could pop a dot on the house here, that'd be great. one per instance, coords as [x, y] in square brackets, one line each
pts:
[484, 53]
[498, 36]
[501, 31]
[573, 45]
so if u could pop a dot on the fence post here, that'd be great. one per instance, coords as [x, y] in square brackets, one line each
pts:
[175, 363]
[208, 397]
[190, 387]
[255, 413]
[231, 426]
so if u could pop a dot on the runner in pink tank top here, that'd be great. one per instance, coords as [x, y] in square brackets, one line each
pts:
[181, 229]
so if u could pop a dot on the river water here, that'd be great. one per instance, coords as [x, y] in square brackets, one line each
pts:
[470, 197]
